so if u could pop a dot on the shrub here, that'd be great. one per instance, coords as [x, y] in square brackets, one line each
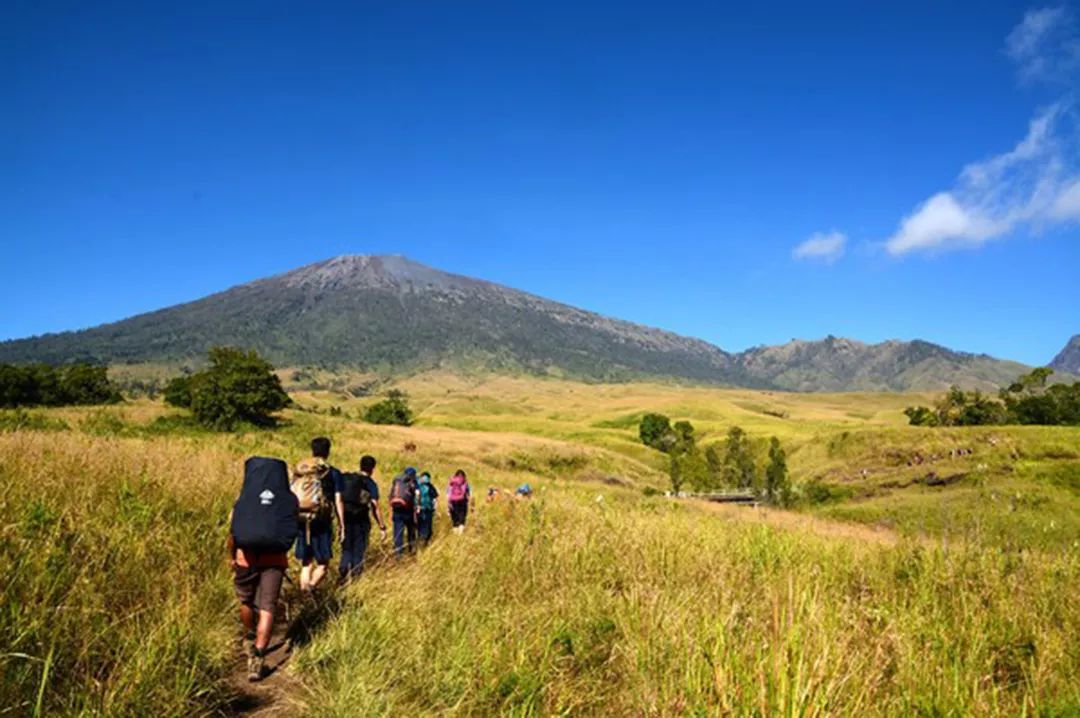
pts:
[655, 431]
[44, 385]
[239, 386]
[394, 409]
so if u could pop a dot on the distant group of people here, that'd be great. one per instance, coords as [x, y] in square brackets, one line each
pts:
[278, 509]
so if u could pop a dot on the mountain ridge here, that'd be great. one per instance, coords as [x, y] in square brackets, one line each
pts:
[1068, 359]
[390, 313]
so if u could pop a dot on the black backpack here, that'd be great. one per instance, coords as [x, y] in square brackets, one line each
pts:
[355, 495]
[265, 515]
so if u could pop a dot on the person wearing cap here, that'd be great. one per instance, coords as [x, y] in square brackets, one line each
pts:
[404, 501]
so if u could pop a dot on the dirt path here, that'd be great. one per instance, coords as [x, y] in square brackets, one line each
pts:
[280, 693]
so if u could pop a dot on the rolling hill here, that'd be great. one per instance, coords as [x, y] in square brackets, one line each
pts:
[391, 314]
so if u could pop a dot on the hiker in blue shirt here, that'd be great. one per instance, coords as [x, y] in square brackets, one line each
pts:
[357, 503]
[427, 505]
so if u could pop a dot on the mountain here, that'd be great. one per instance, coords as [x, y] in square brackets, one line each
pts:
[834, 364]
[389, 313]
[1068, 359]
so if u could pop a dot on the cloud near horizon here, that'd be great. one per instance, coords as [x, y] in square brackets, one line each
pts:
[821, 246]
[1036, 184]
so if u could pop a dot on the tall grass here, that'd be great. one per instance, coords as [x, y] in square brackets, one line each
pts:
[114, 599]
[627, 607]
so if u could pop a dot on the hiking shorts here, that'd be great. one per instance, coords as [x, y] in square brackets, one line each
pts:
[258, 586]
[458, 511]
[319, 549]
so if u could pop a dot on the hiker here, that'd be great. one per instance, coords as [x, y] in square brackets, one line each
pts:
[357, 501]
[262, 527]
[426, 508]
[403, 504]
[457, 500]
[314, 483]
[523, 492]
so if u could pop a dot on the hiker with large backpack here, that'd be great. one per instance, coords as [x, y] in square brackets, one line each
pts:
[314, 483]
[262, 528]
[403, 504]
[458, 493]
[357, 502]
[426, 507]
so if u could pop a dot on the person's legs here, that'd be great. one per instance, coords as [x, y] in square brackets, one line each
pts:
[346, 552]
[424, 527]
[410, 527]
[304, 556]
[363, 536]
[399, 533]
[321, 548]
[244, 583]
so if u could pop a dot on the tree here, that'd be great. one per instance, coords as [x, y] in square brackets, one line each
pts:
[921, 416]
[87, 384]
[45, 385]
[777, 483]
[655, 431]
[739, 470]
[394, 409]
[238, 386]
[178, 392]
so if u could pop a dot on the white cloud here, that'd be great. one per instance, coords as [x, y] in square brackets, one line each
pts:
[822, 246]
[1033, 186]
[1044, 45]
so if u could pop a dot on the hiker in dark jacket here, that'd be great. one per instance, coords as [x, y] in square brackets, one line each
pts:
[314, 545]
[403, 503]
[357, 500]
[426, 508]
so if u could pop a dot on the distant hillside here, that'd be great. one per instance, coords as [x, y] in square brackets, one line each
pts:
[390, 314]
[834, 364]
[1068, 359]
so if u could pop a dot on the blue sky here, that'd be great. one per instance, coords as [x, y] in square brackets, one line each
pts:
[744, 175]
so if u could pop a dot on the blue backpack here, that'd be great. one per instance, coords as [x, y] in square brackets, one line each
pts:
[427, 497]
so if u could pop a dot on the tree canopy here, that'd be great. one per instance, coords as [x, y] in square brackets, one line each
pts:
[45, 385]
[239, 386]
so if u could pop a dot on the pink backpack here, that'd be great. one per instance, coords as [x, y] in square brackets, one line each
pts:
[459, 489]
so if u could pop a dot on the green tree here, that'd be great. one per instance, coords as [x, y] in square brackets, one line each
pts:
[87, 384]
[238, 386]
[178, 392]
[394, 409]
[739, 470]
[921, 416]
[44, 385]
[655, 431]
[777, 483]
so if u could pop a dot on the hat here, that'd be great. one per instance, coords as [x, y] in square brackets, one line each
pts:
[410, 471]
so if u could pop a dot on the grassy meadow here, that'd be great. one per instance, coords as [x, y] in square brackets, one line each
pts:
[912, 579]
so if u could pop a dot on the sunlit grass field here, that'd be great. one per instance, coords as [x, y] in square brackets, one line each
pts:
[886, 593]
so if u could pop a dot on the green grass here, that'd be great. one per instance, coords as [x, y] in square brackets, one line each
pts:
[593, 598]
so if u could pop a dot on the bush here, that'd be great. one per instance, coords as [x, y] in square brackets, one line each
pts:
[238, 387]
[394, 409]
[655, 432]
[44, 385]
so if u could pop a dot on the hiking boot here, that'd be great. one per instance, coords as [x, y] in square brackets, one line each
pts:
[256, 666]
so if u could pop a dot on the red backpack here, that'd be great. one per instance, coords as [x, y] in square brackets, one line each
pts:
[402, 493]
